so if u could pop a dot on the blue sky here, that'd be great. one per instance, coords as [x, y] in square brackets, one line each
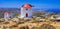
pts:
[41, 4]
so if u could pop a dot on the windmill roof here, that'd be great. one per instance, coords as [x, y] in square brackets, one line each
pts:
[7, 13]
[27, 6]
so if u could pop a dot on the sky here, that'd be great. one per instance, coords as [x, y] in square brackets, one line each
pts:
[40, 4]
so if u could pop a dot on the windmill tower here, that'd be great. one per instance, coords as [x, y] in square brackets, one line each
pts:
[26, 11]
[7, 15]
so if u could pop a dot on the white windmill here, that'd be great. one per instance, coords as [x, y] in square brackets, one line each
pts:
[26, 11]
[7, 15]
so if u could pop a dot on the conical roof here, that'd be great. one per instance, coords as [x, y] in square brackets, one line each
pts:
[26, 5]
[7, 13]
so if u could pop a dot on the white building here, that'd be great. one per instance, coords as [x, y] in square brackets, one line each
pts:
[26, 11]
[7, 15]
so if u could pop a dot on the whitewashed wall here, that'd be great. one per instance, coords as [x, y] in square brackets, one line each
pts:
[23, 13]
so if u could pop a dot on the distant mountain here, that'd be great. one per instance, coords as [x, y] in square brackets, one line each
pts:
[34, 10]
[53, 10]
[9, 9]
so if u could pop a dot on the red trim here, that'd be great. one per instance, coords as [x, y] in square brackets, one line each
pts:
[7, 13]
[27, 6]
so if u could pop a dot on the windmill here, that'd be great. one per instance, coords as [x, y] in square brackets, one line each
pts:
[7, 15]
[26, 11]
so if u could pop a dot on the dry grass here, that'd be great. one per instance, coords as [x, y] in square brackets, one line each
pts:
[29, 24]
